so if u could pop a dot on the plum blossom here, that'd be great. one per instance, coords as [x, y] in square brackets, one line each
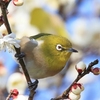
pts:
[8, 41]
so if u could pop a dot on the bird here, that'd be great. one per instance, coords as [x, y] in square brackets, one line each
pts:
[45, 54]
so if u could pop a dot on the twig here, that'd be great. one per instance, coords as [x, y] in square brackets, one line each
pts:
[87, 71]
[4, 5]
[4, 13]
[9, 96]
[31, 95]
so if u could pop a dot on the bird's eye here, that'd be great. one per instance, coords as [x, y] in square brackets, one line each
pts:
[59, 47]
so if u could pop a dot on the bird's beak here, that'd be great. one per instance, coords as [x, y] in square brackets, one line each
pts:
[72, 50]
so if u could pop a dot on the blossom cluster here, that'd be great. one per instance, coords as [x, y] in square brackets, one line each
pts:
[81, 67]
[77, 88]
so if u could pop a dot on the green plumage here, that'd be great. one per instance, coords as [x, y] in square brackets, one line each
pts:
[39, 35]
[48, 57]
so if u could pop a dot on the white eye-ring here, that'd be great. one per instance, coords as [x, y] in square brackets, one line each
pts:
[59, 47]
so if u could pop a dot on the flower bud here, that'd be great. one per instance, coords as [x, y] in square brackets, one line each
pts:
[80, 67]
[14, 93]
[77, 88]
[73, 96]
[18, 2]
[81, 86]
[95, 71]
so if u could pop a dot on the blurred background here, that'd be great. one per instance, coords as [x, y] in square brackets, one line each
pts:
[78, 20]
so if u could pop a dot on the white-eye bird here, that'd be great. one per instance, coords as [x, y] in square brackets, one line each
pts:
[47, 55]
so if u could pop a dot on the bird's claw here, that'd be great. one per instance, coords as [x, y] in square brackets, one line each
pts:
[33, 86]
[20, 56]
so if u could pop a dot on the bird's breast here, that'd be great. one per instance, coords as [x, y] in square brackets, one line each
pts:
[38, 67]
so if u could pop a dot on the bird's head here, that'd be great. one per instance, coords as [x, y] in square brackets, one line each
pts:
[56, 49]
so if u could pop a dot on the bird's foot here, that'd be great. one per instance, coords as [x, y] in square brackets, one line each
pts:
[33, 86]
[20, 56]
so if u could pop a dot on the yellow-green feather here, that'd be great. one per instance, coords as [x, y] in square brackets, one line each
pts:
[56, 59]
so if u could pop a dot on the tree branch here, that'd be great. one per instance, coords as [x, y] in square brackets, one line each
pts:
[4, 6]
[87, 71]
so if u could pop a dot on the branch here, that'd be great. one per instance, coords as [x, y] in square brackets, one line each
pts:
[9, 96]
[4, 6]
[87, 71]
[4, 14]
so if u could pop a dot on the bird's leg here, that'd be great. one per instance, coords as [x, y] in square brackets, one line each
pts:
[20, 56]
[33, 85]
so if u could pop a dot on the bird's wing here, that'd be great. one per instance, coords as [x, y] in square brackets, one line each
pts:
[39, 35]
